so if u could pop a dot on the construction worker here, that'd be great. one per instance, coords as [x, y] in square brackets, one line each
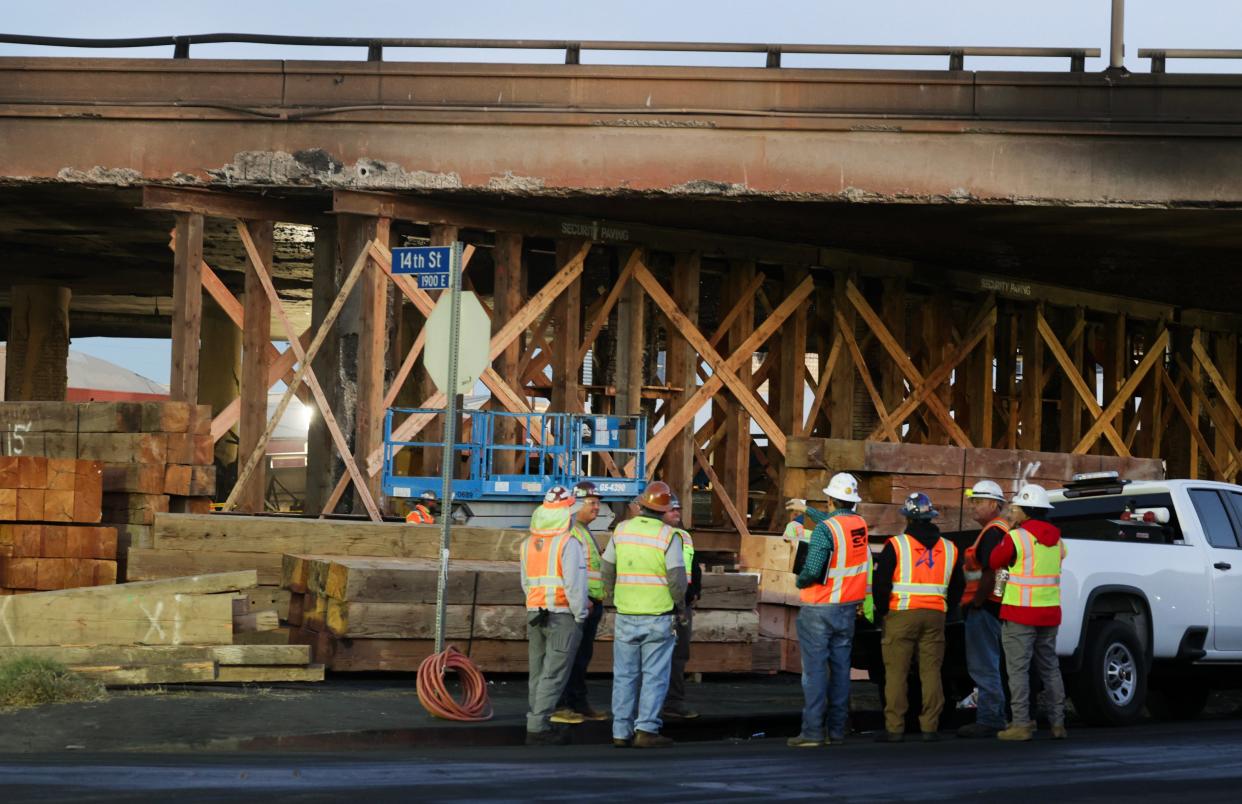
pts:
[918, 578]
[423, 511]
[1031, 610]
[981, 609]
[675, 702]
[574, 707]
[554, 578]
[644, 569]
[833, 580]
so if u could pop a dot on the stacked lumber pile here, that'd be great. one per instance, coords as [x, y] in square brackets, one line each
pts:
[887, 474]
[37, 550]
[379, 614]
[179, 630]
[152, 457]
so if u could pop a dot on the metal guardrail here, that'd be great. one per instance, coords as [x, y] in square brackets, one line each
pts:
[1159, 57]
[573, 50]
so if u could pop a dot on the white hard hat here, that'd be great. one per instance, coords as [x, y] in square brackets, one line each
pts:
[986, 490]
[1032, 496]
[844, 487]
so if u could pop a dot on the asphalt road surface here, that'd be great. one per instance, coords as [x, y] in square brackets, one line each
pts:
[1155, 762]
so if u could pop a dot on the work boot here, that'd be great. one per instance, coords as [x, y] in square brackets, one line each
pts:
[976, 731]
[931, 736]
[647, 739]
[890, 737]
[831, 740]
[567, 716]
[590, 714]
[1017, 732]
[678, 712]
[622, 742]
[803, 742]
[549, 737]
[1059, 732]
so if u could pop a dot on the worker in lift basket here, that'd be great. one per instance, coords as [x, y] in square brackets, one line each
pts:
[645, 570]
[1031, 610]
[423, 512]
[833, 580]
[554, 578]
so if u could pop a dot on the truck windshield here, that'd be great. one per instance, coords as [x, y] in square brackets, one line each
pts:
[1101, 519]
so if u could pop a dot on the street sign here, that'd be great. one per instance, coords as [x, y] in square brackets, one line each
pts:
[429, 263]
[471, 349]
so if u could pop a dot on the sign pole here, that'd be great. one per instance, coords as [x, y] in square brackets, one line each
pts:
[450, 437]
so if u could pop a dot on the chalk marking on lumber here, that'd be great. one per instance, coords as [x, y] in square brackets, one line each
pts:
[155, 628]
[4, 618]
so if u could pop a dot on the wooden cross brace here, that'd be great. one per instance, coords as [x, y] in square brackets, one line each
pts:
[1155, 352]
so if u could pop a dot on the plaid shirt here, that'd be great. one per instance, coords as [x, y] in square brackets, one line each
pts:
[820, 549]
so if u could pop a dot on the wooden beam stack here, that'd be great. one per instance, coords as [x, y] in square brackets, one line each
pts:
[179, 630]
[364, 614]
[151, 458]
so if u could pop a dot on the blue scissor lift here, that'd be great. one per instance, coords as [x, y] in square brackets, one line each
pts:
[559, 448]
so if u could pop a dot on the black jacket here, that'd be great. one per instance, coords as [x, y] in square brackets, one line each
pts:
[926, 534]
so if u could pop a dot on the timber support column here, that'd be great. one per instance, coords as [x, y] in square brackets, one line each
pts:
[187, 307]
[567, 334]
[791, 401]
[373, 328]
[323, 466]
[681, 364]
[735, 472]
[256, 340]
[508, 293]
[37, 364]
[631, 346]
[841, 387]
[219, 376]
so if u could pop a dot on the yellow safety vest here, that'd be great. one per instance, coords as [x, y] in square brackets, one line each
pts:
[595, 576]
[642, 581]
[687, 551]
[1035, 575]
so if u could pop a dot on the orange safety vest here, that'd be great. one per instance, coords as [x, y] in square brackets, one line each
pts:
[420, 516]
[971, 567]
[845, 577]
[545, 577]
[921, 579]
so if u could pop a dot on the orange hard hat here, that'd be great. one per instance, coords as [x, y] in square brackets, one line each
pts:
[656, 497]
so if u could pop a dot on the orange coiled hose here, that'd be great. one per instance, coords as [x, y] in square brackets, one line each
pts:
[435, 697]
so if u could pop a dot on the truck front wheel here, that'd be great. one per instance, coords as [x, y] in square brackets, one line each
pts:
[1111, 687]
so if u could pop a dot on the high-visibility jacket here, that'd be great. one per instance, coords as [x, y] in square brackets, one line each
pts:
[420, 516]
[972, 569]
[921, 578]
[640, 545]
[845, 577]
[542, 570]
[1035, 574]
[595, 576]
[868, 606]
[687, 551]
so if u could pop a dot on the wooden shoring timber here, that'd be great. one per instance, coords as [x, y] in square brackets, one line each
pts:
[508, 294]
[721, 368]
[508, 397]
[924, 388]
[1155, 352]
[305, 372]
[1214, 374]
[735, 516]
[845, 331]
[1071, 410]
[826, 368]
[610, 301]
[1085, 393]
[658, 442]
[250, 491]
[1032, 390]
[372, 341]
[681, 363]
[567, 317]
[841, 388]
[735, 310]
[1226, 351]
[187, 315]
[733, 461]
[280, 368]
[1216, 415]
[1189, 419]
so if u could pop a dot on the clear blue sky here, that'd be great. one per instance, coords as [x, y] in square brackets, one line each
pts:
[1048, 23]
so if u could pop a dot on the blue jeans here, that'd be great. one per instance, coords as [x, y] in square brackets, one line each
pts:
[825, 636]
[642, 652]
[983, 660]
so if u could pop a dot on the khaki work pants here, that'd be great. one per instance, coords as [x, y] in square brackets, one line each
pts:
[904, 633]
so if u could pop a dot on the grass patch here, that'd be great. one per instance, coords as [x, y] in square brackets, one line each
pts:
[28, 681]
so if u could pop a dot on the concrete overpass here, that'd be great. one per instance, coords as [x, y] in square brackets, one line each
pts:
[1114, 194]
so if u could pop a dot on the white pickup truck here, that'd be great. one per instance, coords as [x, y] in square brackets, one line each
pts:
[1151, 595]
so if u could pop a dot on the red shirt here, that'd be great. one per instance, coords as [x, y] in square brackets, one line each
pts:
[1048, 535]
